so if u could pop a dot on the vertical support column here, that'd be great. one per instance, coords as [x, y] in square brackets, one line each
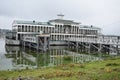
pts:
[45, 44]
[76, 46]
[38, 43]
[37, 58]
[48, 42]
[20, 28]
[24, 45]
[117, 51]
[68, 43]
[30, 28]
[99, 50]
[29, 45]
[81, 46]
[16, 57]
[36, 28]
[89, 48]
[62, 30]
[109, 49]
[117, 45]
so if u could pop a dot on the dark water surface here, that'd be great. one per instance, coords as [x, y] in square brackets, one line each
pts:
[15, 57]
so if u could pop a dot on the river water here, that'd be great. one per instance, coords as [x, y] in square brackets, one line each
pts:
[15, 57]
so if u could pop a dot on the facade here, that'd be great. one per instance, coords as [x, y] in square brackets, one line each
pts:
[59, 29]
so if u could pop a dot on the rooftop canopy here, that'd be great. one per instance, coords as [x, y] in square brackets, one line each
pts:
[31, 22]
[66, 22]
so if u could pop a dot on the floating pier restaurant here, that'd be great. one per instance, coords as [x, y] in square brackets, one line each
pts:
[41, 35]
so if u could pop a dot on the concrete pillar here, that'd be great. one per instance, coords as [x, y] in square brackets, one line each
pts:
[37, 43]
[45, 44]
[99, 50]
[48, 43]
[117, 49]
[89, 48]
[24, 45]
[77, 46]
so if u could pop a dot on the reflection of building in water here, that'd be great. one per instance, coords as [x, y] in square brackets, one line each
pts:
[58, 57]
[12, 48]
[20, 59]
[27, 58]
[81, 57]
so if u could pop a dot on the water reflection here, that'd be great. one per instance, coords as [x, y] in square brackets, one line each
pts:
[24, 58]
[16, 57]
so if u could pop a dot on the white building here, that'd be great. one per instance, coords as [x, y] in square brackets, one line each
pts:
[59, 29]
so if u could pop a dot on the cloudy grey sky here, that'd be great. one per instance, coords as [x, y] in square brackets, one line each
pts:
[101, 13]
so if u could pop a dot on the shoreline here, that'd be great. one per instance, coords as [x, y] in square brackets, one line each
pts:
[97, 70]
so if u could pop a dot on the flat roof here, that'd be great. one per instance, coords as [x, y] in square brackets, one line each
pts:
[64, 21]
[31, 22]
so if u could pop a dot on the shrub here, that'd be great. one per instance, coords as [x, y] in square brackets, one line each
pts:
[116, 69]
[112, 64]
[107, 69]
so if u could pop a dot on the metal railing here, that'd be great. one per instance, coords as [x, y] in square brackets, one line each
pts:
[100, 40]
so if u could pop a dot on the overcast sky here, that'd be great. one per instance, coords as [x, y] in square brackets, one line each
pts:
[100, 13]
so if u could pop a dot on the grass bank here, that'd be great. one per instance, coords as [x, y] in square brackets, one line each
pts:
[98, 70]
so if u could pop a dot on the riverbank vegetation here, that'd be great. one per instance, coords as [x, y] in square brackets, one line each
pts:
[98, 70]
